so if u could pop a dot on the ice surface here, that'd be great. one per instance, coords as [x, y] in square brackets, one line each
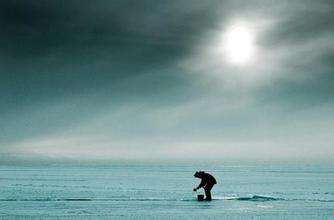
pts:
[165, 192]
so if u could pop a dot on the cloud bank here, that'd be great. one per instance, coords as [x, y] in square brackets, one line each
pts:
[140, 80]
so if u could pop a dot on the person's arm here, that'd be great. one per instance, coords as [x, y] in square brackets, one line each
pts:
[200, 185]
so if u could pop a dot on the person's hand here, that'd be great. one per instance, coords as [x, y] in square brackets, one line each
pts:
[195, 189]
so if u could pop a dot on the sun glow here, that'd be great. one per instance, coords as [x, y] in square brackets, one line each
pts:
[239, 45]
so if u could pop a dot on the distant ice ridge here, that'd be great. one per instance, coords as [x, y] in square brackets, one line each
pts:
[261, 198]
[255, 198]
[251, 198]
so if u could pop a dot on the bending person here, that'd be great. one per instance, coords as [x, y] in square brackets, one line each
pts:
[208, 181]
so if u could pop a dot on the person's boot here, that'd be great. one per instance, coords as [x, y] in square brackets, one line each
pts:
[208, 196]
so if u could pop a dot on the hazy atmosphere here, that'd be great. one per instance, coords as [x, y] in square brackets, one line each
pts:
[166, 81]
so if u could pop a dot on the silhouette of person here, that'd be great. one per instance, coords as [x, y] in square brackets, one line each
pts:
[208, 181]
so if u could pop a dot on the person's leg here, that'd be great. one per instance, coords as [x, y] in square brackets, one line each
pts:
[207, 190]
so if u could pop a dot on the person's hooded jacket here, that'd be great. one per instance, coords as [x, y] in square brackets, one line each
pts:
[206, 179]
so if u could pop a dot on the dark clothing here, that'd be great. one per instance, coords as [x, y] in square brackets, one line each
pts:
[208, 181]
[207, 190]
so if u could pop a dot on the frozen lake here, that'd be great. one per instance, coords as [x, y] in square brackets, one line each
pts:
[165, 192]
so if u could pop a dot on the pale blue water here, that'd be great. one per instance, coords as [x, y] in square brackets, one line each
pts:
[165, 192]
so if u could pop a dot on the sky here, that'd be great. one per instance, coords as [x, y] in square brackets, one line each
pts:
[156, 80]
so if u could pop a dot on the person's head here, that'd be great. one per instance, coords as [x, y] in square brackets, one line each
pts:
[199, 174]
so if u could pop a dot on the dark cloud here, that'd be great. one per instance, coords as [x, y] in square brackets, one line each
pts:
[63, 42]
[301, 24]
[43, 26]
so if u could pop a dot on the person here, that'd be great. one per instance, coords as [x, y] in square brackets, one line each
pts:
[208, 181]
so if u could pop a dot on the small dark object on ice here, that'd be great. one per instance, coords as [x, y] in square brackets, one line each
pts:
[200, 197]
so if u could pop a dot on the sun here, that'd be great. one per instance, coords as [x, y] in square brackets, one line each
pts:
[239, 45]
